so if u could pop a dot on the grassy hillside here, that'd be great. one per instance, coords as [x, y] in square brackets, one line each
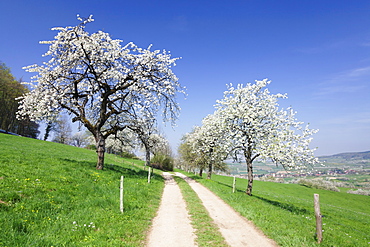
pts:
[52, 195]
[285, 212]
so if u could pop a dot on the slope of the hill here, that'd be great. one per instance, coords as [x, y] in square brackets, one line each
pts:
[285, 212]
[52, 195]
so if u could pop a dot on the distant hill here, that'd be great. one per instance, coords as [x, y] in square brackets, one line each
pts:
[349, 156]
[353, 160]
[350, 160]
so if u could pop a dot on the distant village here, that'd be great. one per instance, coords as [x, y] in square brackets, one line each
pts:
[314, 173]
[335, 172]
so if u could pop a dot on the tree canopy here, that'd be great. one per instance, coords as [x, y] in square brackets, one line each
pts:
[248, 124]
[101, 84]
[10, 90]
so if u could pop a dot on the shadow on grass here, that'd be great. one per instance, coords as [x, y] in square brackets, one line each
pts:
[195, 177]
[228, 185]
[286, 206]
[131, 172]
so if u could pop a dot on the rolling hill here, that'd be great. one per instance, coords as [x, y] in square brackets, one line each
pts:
[52, 195]
[352, 160]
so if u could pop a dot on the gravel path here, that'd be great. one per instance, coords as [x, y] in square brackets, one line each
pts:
[172, 227]
[236, 230]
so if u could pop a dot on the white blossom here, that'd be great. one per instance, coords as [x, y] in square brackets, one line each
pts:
[100, 83]
[248, 123]
[252, 120]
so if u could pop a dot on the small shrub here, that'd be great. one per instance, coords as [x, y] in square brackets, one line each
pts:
[91, 147]
[272, 179]
[128, 155]
[343, 184]
[162, 162]
[316, 184]
[359, 192]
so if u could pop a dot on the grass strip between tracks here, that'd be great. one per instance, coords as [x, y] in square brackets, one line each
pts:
[206, 230]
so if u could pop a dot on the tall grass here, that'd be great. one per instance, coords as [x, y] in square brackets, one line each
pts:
[285, 212]
[52, 195]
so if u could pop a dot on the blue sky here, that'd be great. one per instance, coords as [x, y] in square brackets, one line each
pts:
[318, 52]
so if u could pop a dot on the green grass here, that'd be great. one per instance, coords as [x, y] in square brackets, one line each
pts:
[206, 230]
[52, 195]
[285, 212]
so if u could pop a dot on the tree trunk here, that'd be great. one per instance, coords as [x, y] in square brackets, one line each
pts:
[100, 150]
[209, 171]
[249, 161]
[250, 177]
[147, 156]
[47, 130]
[201, 172]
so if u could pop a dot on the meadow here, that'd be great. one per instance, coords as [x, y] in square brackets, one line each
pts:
[52, 195]
[285, 212]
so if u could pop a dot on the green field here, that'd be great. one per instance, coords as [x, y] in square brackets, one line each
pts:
[285, 212]
[52, 195]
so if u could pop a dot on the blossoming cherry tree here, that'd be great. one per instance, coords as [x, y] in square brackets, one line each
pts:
[254, 127]
[101, 83]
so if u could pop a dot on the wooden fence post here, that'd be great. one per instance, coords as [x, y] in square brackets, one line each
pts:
[318, 218]
[234, 182]
[121, 195]
[149, 173]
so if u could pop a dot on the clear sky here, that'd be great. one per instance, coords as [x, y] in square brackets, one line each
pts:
[316, 51]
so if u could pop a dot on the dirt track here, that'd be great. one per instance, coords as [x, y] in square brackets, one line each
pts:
[172, 225]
